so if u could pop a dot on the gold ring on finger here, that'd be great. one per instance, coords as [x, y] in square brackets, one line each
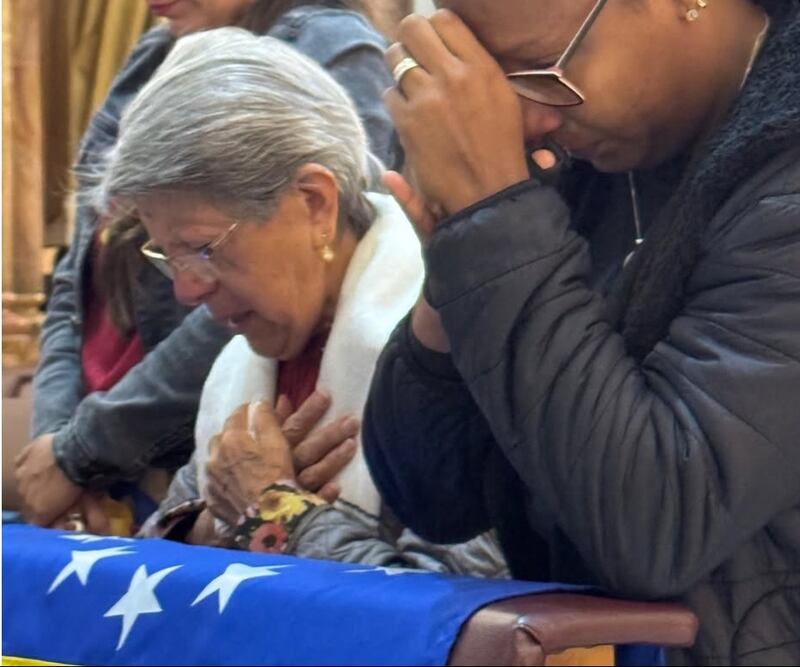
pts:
[75, 522]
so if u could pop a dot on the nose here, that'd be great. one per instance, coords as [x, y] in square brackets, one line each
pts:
[539, 120]
[190, 290]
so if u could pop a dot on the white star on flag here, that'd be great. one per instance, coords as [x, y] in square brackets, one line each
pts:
[82, 563]
[140, 599]
[228, 581]
[88, 539]
[389, 571]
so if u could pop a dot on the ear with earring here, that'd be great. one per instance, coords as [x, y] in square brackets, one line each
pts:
[694, 13]
[326, 252]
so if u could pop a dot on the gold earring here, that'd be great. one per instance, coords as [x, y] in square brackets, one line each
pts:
[694, 13]
[326, 252]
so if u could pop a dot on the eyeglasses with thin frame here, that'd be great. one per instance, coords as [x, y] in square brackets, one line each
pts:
[549, 86]
[199, 263]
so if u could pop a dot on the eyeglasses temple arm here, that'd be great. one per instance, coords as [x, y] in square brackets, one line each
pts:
[587, 24]
[225, 236]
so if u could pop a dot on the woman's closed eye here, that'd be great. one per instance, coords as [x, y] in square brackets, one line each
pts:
[205, 250]
[197, 248]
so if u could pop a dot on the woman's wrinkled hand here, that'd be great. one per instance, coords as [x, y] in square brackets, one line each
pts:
[250, 454]
[47, 493]
[206, 532]
[277, 445]
[459, 120]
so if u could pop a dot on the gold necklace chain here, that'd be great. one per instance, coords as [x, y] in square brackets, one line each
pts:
[756, 50]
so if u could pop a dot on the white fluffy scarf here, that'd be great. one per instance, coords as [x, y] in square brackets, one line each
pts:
[382, 283]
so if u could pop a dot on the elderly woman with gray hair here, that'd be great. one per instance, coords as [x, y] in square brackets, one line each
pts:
[114, 397]
[248, 166]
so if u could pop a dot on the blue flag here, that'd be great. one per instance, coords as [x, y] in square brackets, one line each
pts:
[81, 599]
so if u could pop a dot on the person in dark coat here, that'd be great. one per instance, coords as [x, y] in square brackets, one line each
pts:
[605, 363]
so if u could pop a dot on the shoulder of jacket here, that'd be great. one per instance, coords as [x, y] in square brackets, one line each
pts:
[779, 176]
[776, 184]
[158, 38]
[326, 33]
[149, 52]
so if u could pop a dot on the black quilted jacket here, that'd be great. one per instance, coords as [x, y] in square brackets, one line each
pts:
[673, 474]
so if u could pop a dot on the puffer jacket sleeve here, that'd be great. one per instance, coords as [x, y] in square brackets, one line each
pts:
[656, 471]
[343, 533]
[339, 532]
[183, 499]
[426, 442]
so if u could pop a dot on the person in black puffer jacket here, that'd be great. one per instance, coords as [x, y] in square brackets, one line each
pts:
[633, 425]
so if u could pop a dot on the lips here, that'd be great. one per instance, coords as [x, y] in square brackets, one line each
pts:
[162, 8]
[233, 321]
[585, 152]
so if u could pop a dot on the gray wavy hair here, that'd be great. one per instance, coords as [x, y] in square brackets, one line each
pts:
[233, 116]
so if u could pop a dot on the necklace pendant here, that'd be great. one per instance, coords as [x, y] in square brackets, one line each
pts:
[630, 255]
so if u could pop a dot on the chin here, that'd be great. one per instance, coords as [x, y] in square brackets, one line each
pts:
[177, 28]
[180, 27]
[271, 349]
[612, 157]
[613, 162]
[284, 349]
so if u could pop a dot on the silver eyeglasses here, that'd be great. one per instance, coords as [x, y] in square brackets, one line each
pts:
[549, 86]
[199, 263]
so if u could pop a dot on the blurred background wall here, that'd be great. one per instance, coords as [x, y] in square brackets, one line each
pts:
[59, 57]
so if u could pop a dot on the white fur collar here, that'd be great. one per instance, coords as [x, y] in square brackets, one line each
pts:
[382, 283]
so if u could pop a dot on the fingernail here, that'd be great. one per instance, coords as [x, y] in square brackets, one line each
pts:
[352, 425]
[324, 394]
[350, 446]
[545, 159]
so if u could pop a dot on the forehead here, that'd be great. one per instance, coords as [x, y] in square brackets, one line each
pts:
[522, 28]
[176, 206]
[176, 216]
